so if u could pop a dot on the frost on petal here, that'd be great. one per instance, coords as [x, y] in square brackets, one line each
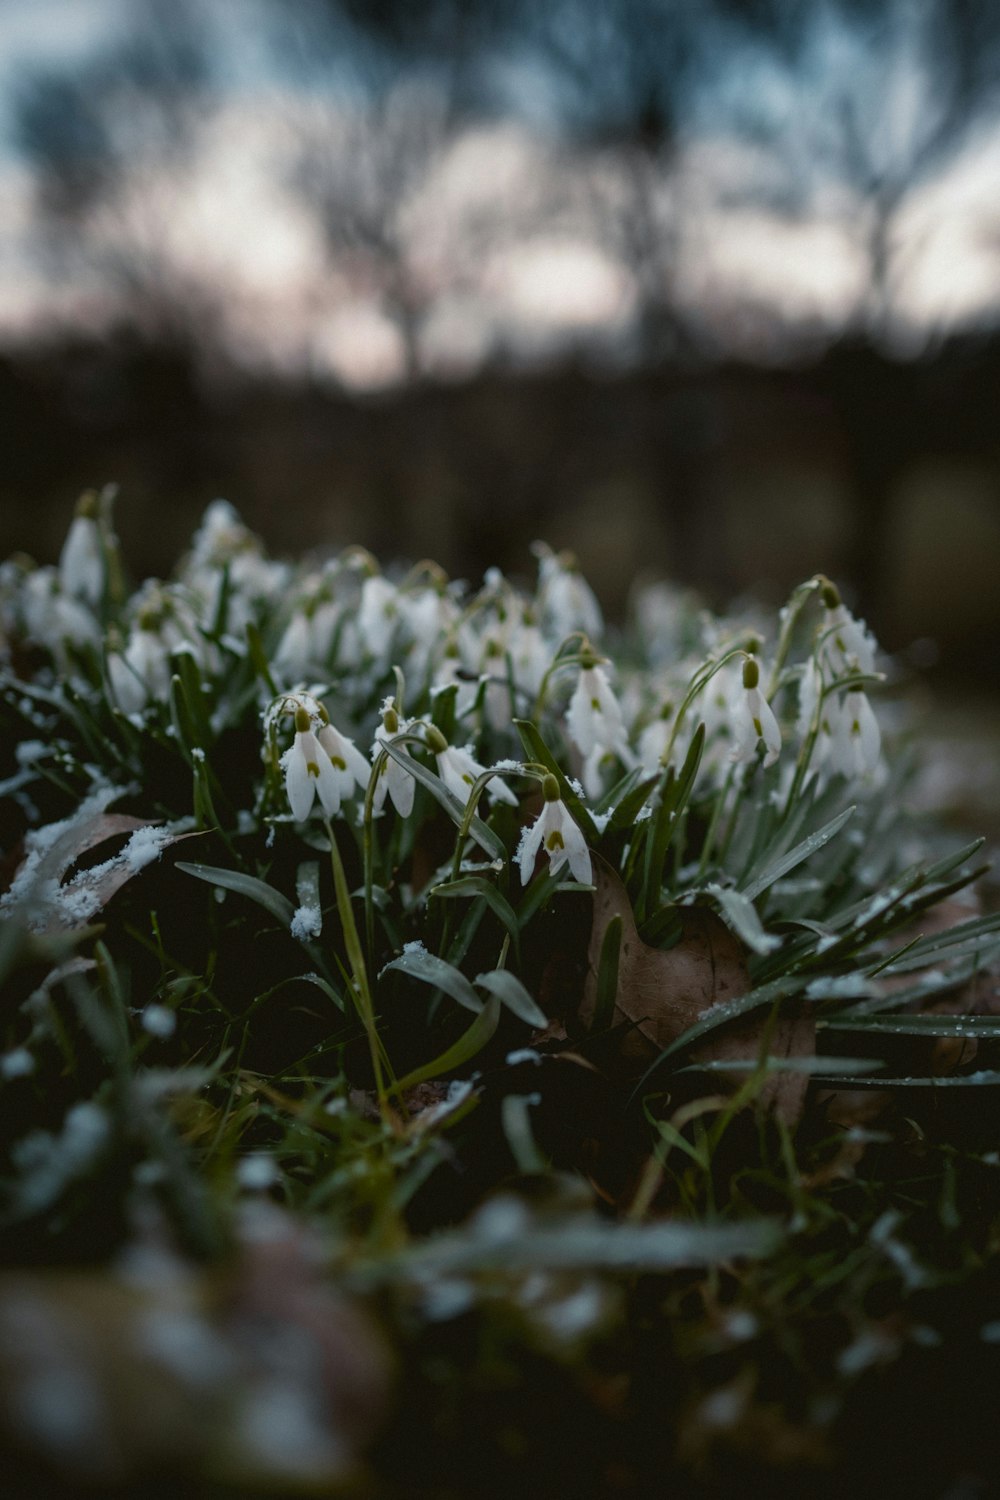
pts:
[530, 844]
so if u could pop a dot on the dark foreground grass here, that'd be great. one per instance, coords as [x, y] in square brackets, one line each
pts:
[439, 1124]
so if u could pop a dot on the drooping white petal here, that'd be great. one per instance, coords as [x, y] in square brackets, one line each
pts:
[857, 742]
[752, 721]
[348, 763]
[458, 770]
[577, 852]
[530, 845]
[300, 785]
[594, 716]
[328, 783]
[81, 562]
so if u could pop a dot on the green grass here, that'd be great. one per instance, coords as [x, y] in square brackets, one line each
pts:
[359, 1147]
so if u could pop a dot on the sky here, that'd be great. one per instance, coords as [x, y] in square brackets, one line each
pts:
[744, 266]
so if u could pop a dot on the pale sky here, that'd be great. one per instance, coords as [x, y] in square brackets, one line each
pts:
[235, 224]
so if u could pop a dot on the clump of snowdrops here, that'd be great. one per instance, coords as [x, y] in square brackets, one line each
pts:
[332, 831]
[356, 895]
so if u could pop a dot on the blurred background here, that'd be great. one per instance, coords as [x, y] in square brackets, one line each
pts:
[704, 288]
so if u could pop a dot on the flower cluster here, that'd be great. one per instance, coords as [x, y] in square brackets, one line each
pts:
[330, 652]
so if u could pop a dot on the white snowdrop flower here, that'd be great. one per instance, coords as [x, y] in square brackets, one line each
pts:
[459, 771]
[52, 618]
[452, 671]
[818, 710]
[295, 649]
[349, 765]
[142, 671]
[427, 615]
[81, 562]
[594, 769]
[846, 644]
[555, 831]
[753, 720]
[566, 599]
[378, 615]
[594, 717]
[497, 703]
[530, 656]
[655, 738]
[309, 771]
[810, 696]
[856, 741]
[394, 780]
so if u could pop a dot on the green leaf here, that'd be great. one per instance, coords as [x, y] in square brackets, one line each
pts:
[986, 1078]
[802, 851]
[478, 885]
[429, 969]
[848, 1067]
[742, 917]
[967, 1028]
[512, 1242]
[244, 885]
[327, 988]
[469, 1043]
[675, 793]
[509, 989]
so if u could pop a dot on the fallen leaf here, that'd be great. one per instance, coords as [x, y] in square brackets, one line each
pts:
[661, 993]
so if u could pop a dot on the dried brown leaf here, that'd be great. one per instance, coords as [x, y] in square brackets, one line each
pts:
[661, 993]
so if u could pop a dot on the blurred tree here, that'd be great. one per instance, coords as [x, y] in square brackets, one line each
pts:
[110, 145]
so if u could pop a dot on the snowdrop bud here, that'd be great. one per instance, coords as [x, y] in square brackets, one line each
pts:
[81, 562]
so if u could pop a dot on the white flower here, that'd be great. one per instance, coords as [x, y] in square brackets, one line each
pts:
[451, 670]
[530, 656]
[52, 619]
[655, 738]
[555, 831]
[753, 719]
[309, 771]
[857, 741]
[81, 562]
[566, 598]
[349, 765]
[140, 672]
[459, 771]
[394, 780]
[428, 616]
[378, 614]
[295, 649]
[846, 644]
[594, 717]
